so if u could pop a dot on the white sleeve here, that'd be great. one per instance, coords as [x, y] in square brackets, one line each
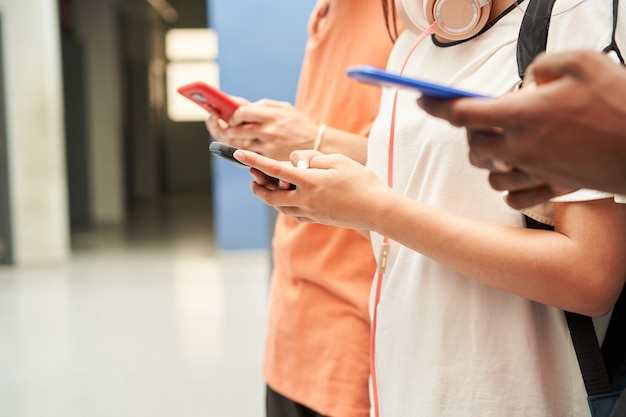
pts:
[544, 212]
[583, 194]
[620, 198]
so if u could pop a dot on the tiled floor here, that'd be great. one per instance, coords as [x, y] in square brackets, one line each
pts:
[149, 322]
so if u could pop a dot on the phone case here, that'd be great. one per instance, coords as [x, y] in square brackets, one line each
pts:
[377, 76]
[210, 98]
[224, 151]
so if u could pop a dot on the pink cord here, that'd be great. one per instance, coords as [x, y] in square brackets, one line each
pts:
[382, 260]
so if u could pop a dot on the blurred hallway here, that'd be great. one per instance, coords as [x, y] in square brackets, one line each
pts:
[148, 321]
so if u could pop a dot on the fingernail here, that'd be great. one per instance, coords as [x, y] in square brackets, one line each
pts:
[302, 164]
[283, 185]
[502, 166]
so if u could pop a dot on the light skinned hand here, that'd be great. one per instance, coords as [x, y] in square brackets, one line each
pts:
[334, 189]
[565, 133]
[217, 126]
[268, 127]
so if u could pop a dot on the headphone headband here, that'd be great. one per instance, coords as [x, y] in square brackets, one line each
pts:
[455, 19]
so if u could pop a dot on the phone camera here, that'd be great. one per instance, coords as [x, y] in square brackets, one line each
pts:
[199, 97]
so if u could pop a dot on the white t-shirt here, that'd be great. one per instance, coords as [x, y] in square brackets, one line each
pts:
[447, 345]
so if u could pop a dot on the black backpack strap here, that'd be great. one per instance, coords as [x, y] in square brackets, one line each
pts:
[533, 34]
[588, 353]
[613, 45]
[532, 40]
[614, 345]
[585, 342]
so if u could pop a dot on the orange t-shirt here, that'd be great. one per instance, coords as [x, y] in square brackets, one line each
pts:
[317, 348]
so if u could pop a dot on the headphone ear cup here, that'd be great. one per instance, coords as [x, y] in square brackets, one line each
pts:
[412, 14]
[458, 19]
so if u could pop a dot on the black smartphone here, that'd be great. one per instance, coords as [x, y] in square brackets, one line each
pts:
[224, 151]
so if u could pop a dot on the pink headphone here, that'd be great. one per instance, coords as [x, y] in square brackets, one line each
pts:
[455, 19]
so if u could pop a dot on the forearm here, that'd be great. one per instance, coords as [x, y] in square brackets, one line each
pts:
[340, 141]
[581, 267]
[548, 267]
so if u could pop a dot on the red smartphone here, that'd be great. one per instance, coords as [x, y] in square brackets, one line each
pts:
[210, 98]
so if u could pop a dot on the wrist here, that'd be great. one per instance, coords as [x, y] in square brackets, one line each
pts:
[319, 136]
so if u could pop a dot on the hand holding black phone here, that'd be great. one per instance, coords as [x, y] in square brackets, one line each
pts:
[226, 151]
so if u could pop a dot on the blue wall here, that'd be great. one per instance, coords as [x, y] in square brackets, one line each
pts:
[261, 44]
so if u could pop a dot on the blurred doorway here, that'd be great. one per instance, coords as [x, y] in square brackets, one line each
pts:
[161, 156]
[123, 153]
[6, 253]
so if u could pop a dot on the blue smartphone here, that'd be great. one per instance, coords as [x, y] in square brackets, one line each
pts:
[377, 76]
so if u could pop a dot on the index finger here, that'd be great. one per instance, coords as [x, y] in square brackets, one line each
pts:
[469, 112]
[278, 169]
[257, 112]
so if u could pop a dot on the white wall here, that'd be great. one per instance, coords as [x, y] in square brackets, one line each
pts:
[35, 132]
